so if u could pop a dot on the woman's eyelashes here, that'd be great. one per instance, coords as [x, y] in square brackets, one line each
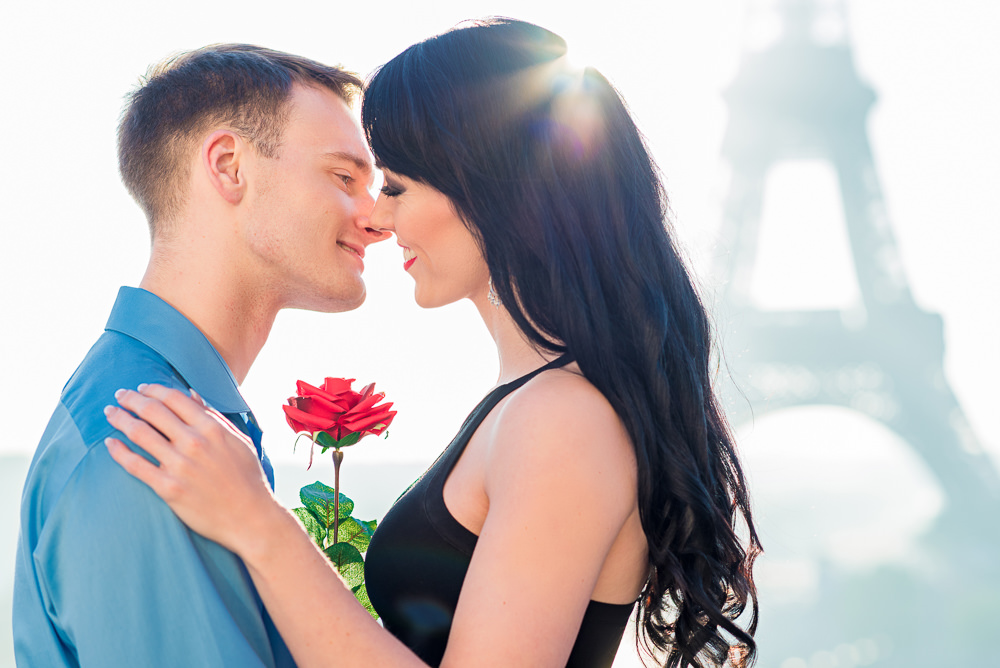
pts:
[390, 190]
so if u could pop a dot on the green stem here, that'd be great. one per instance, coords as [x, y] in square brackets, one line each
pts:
[338, 457]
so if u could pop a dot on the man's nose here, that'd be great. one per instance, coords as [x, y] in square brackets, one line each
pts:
[366, 204]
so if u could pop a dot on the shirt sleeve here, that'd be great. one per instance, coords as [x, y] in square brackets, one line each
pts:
[127, 584]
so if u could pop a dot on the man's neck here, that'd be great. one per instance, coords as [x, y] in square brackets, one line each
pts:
[210, 292]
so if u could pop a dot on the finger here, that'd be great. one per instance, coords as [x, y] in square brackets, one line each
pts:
[230, 427]
[135, 464]
[155, 412]
[140, 433]
[194, 411]
[189, 410]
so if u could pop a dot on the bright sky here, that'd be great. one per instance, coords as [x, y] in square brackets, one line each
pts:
[71, 235]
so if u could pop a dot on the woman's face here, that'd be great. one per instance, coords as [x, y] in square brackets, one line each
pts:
[439, 252]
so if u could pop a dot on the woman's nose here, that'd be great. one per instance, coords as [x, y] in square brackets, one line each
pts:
[378, 233]
[379, 218]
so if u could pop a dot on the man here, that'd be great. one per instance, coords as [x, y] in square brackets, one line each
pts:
[253, 175]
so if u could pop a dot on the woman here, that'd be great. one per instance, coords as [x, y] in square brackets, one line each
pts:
[599, 472]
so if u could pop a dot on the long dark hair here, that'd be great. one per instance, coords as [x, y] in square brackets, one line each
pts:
[548, 170]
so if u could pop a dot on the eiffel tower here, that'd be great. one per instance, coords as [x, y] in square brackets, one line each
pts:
[797, 99]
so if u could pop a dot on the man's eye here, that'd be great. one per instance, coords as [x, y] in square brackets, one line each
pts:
[346, 179]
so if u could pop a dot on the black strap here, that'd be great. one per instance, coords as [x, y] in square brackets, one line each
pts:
[494, 397]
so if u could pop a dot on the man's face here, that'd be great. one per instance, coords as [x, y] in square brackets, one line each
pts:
[307, 215]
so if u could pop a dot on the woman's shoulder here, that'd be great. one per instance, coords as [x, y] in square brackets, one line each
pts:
[560, 414]
[563, 393]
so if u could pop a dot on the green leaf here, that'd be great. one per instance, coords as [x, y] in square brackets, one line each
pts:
[350, 439]
[316, 530]
[324, 439]
[355, 532]
[346, 506]
[348, 562]
[319, 500]
[361, 593]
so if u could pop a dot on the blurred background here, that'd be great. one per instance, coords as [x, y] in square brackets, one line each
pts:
[833, 170]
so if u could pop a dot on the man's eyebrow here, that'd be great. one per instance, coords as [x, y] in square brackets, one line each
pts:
[358, 161]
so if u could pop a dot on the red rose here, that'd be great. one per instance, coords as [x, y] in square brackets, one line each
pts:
[334, 415]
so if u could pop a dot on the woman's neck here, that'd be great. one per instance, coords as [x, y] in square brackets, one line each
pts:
[516, 354]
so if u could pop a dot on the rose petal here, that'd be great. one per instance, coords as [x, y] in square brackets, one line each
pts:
[296, 426]
[381, 411]
[304, 389]
[309, 405]
[365, 405]
[311, 422]
[318, 405]
[364, 423]
[336, 386]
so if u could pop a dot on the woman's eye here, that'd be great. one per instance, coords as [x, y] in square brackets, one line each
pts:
[390, 191]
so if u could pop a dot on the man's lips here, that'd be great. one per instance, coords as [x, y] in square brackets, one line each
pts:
[352, 248]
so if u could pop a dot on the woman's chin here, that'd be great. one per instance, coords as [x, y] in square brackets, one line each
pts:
[426, 303]
[420, 297]
[427, 299]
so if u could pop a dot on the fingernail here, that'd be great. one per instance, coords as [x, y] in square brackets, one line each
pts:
[142, 386]
[109, 410]
[110, 443]
[120, 393]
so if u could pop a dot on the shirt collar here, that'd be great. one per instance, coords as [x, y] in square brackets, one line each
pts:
[150, 320]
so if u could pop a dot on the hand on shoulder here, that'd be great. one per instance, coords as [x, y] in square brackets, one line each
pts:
[205, 469]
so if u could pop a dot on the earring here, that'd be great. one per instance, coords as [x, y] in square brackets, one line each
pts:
[492, 295]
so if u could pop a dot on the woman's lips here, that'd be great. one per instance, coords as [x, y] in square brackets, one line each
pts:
[409, 257]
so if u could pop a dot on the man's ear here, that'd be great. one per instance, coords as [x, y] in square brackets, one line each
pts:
[222, 153]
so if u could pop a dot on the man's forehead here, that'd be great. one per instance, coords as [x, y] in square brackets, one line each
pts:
[325, 125]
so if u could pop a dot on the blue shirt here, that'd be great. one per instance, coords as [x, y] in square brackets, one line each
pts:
[106, 575]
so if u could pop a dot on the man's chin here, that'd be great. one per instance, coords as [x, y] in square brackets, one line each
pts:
[353, 304]
[346, 302]
[342, 303]
[331, 302]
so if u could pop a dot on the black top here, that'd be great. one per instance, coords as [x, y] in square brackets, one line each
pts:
[420, 553]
